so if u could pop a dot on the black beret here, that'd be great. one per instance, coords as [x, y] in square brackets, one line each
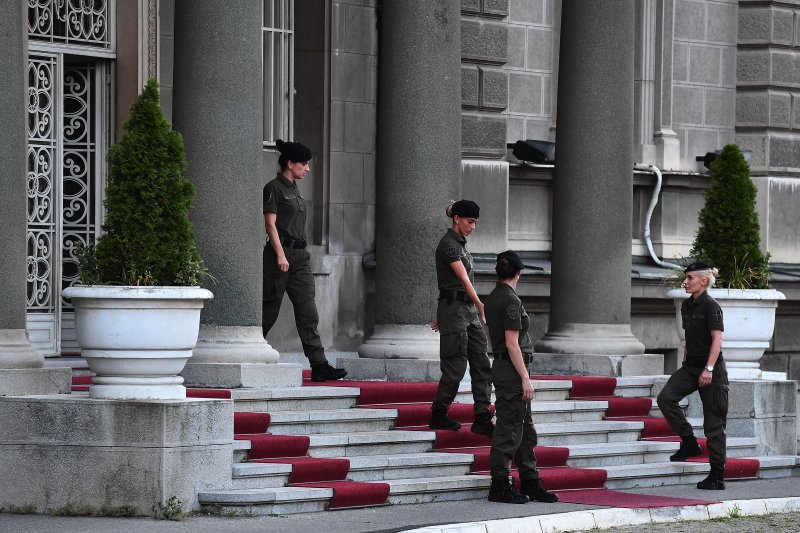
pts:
[466, 208]
[512, 258]
[699, 265]
[297, 152]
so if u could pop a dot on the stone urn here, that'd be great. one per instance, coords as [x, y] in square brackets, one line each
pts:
[137, 339]
[749, 317]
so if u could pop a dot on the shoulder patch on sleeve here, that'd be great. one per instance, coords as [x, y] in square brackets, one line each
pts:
[716, 314]
[513, 312]
[452, 251]
[269, 196]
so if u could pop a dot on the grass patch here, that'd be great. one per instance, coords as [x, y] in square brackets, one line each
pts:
[171, 510]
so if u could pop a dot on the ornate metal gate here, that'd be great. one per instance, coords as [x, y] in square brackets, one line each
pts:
[68, 121]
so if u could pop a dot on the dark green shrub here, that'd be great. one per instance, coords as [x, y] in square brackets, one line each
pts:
[729, 234]
[147, 235]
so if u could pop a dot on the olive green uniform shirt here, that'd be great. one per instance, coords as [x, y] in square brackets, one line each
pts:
[282, 197]
[699, 317]
[452, 247]
[504, 311]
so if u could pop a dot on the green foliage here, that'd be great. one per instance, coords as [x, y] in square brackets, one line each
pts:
[148, 237]
[73, 509]
[171, 510]
[21, 509]
[729, 233]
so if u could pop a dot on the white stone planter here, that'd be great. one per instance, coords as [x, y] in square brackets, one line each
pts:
[749, 316]
[137, 339]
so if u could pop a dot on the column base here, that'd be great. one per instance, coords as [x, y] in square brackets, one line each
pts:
[401, 341]
[613, 365]
[590, 339]
[233, 344]
[16, 351]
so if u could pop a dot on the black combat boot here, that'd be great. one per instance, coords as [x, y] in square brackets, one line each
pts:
[689, 448]
[483, 425]
[502, 491]
[440, 420]
[325, 372]
[714, 481]
[534, 490]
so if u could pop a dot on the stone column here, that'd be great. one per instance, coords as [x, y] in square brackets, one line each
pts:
[590, 296]
[218, 108]
[15, 351]
[419, 168]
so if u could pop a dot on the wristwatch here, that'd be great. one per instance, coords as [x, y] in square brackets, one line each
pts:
[710, 368]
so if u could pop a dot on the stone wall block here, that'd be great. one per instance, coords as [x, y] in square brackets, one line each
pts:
[795, 111]
[722, 23]
[688, 105]
[704, 64]
[359, 127]
[484, 41]
[525, 94]
[471, 6]
[540, 49]
[780, 109]
[720, 105]
[756, 144]
[494, 89]
[784, 152]
[785, 68]
[690, 20]
[483, 135]
[752, 67]
[782, 26]
[752, 109]
[530, 11]
[470, 90]
[516, 47]
[680, 62]
[348, 76]
[496, 8]
[755, 25]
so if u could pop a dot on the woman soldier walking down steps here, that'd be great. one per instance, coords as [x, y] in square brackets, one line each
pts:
[458, 320]
[514, 433]
[287, 261]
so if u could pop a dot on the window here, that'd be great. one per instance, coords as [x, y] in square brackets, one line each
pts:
[278, 69]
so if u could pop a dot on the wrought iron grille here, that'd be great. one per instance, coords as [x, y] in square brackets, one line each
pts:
[81, 22]
[41, 178]
[278, 68]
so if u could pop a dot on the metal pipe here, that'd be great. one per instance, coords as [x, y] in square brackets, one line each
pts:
[653, 202]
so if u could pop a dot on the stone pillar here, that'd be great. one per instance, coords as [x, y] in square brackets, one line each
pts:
[592, 189]
[15, 351]
[419, 168]
[667, 144]
[218, 109]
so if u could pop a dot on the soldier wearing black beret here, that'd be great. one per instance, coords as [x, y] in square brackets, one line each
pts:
[287, 266]
[514, 433]
[458, 320]
[703, 370]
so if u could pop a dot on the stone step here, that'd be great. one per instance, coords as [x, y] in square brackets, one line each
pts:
[331, 421]
[546, 390]
[669, 473]
[393, 442]
[265, 501]
[642, 452]
[634, 386]
[438, 489]
[588, 432]
[294, 399]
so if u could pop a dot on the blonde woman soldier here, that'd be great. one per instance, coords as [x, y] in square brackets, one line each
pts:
[703, 370]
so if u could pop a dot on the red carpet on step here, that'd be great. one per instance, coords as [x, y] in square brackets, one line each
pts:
[312, 469]
[383, 392]
[81, 383]
[208, 393]
[264, 446]
[735, 467]
[566, 478]
[546, 456]
[419, 414]
[583, 386]
[653, 426]
[613, 498]
[250, 422]
[353, 493]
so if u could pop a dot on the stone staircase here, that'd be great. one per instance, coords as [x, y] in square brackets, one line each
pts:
[416, 473]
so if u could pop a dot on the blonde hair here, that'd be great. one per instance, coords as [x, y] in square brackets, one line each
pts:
[709, 274]
[449, 209]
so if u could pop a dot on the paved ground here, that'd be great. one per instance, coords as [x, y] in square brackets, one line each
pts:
[403, 517]
[788, 522]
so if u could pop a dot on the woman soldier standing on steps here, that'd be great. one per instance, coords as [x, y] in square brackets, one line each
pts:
[286, 260]
[458, 320]
[514, 433]
[703, 370]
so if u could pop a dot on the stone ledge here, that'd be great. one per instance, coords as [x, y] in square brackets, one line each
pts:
[27, 381]
[242, 375]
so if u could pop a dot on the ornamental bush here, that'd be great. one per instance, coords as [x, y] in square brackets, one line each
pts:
[729, 234]
[147, 235]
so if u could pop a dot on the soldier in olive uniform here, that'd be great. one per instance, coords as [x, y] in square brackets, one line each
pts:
[286, 260]
[458, 320]
[703, 369]
[514, 433]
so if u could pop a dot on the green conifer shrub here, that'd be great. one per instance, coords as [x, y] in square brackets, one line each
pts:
[147, 235]
[729, 234]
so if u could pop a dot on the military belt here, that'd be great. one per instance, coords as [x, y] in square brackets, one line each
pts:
[450, 295]
[297, 244]
[527, 357]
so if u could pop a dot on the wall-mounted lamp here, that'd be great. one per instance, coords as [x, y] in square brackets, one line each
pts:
[531, 151]
[711, 156]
